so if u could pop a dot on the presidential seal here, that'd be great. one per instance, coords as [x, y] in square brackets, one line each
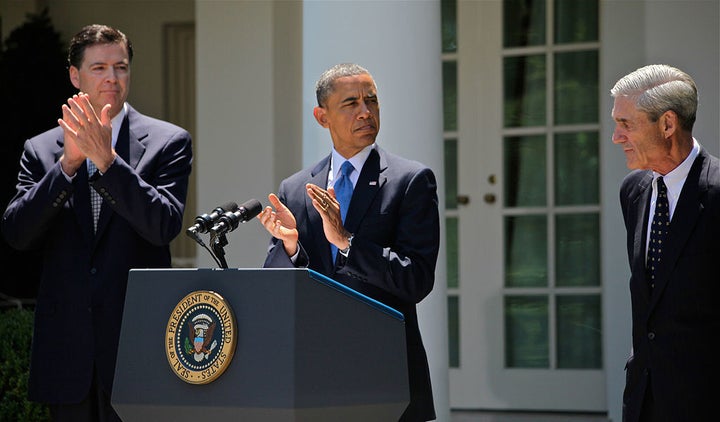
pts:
[200, 337]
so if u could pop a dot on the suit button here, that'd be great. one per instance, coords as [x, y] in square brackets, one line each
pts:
[93, 271]
[651, 335]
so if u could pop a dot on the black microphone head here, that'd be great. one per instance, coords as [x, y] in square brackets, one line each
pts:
[204, 222]
[229, 206]
[252, 208]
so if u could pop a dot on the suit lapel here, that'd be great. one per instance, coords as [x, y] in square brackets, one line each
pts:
[687, 212]
[130, 148]
[641, 207]
[81, 202]
[638, 201]
[369, 182]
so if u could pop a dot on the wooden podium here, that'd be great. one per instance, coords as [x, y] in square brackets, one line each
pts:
[306, 348]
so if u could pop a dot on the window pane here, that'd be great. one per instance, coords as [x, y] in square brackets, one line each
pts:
[577, 168]
[576, 21]
[454, 331]
[577, 250]
[523, 23]
[524, 91]
[448, 13]
[451, 239]
[576, 87]
[524, 169]
[451, 173]
[579, 332]
[526, 251]
[450, 95]
[526, 332]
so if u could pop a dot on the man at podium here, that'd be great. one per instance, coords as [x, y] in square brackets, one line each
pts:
[362, 216]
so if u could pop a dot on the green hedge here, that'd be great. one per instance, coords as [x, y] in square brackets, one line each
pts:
[15, 338]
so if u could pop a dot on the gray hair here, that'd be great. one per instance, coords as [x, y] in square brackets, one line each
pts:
[658, 88]
[325, 85]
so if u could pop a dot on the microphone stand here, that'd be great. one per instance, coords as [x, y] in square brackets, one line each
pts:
[218, 242]
[193, 234]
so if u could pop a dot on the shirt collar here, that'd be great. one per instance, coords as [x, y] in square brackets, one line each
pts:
[357, 160]
[117, 122]
[675, 179]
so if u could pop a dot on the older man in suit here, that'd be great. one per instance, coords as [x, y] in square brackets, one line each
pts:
[675, 281]
[139, 186]
[381, 239]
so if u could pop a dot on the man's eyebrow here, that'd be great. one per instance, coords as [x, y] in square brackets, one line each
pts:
[372, 95]
[349, 99]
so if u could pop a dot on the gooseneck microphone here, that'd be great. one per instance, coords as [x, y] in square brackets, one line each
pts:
[204, 222]
[230, 220]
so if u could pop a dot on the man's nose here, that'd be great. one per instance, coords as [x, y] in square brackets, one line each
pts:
[617, 137]
[365, 111]
[111, 75]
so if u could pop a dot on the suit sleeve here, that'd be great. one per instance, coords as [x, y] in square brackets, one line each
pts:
[40, 197]
[152, 198]
[404, 266]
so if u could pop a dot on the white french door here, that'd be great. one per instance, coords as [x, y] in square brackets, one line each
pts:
[523, 233]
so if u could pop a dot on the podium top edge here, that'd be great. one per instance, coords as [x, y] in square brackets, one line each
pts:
[313, 274]
[354, 293]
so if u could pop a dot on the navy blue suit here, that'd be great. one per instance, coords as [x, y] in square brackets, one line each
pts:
[394, 217]
[84, 275]
[674, 355]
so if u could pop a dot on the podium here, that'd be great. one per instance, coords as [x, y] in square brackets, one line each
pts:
[306, 348]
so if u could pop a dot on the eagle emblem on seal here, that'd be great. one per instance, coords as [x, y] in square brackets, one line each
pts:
[200, 330]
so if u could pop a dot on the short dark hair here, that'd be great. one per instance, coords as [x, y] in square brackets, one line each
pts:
[95, 34]
[325, 85]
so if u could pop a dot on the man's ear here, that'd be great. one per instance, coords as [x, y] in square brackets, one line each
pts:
[74, 76]
[669, 123]
[320, 115]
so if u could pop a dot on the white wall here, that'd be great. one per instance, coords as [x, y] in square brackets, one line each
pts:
[236, 117]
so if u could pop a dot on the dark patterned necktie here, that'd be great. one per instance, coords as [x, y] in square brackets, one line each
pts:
[95, 199]
[658, 231]
[343, 193]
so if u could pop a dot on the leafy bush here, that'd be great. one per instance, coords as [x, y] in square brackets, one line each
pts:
[16, 334]
[35, 83]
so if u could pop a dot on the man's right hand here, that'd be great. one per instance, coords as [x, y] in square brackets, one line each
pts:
[280, 223]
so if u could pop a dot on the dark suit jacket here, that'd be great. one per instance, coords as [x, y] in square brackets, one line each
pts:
[82, 288]
[674, 354]
[394, 217]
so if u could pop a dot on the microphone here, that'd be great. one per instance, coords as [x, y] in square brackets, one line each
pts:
[204, 222]
[230, 220]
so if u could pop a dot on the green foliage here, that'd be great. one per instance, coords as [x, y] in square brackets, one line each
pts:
[16, 334]
[35, 84]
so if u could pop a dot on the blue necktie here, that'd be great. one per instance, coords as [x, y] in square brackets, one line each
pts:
[343, 192]
[658, 230]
